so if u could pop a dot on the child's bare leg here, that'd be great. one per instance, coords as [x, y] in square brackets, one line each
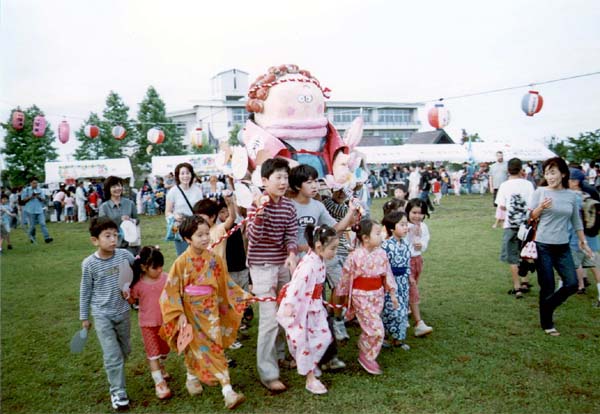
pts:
[580, 275]
[314, 385]
[416, 312]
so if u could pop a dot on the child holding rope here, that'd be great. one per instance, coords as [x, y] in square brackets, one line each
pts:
[301, 312]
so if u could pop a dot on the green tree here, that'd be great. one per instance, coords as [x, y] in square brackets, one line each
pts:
[152, 114]
[115, 113]
[26, 154]
[586, 147]
[233, 135]
[466, 137]
[90, 149]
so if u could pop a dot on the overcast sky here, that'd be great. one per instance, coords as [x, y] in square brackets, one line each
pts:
[66, 55]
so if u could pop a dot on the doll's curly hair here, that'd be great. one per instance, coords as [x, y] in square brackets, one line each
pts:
[259, 90]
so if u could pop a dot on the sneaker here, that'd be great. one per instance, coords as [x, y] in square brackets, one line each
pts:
[334, 365]
[421, 329]
[119, 400]
[193, 386]
[236, 345]
[32, 239]
[162, 390]
[233, 399]
[339, 330]
[49, 240]
[403, 346]
[581, 291]
[372, 367]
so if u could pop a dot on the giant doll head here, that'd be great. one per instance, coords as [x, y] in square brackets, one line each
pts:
[288, 107]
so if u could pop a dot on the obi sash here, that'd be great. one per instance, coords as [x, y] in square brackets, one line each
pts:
[398, 271]
[367, 283]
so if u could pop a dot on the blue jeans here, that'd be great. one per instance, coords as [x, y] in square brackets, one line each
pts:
[180, 247]
[37, 218]
[58, 209]
[550, 257]
[113, 334]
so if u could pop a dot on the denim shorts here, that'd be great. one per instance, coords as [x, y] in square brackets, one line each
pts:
[510, 247]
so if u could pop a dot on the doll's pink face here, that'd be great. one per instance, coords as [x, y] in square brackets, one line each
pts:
[299, 104]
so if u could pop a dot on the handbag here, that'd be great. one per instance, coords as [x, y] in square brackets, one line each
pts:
[529, 250]
[173, 225]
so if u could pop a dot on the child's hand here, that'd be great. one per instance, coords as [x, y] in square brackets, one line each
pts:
[86, 324]
[417, 245]
[394, 299]
[291, 262]
[126, 291]
[412, 281]
[182, 321]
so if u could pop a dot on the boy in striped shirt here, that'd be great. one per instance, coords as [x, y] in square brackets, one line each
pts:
[100, 290]
[272, 257]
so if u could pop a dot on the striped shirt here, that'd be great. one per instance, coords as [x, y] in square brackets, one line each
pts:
[100, 285]
[338, 212]
[272, 235]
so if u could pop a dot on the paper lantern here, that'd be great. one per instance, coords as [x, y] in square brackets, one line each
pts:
[91, 131]
[532, 103]
[18, 120]
[119, 132]
[438, 116]
[63, 132]
[155, 136]
[196, 138]
[39, 126]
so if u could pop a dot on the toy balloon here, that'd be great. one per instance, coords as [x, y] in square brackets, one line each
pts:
[119, 132]
[532, 103]
[63, 132]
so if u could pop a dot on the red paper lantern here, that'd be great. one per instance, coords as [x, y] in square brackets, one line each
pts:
[532, 103]
[91, 131]
[155, 136]
[18, 120]
[39, 126]
[196, 138]
[438, 116]
[119, 132]
[63, 132]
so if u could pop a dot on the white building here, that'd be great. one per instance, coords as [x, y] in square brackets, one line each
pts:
[385, 122]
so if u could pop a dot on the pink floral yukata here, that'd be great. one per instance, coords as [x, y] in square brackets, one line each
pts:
[302, 314]
[360, 275]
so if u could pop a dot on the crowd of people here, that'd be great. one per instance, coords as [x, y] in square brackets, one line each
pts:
[310, 260]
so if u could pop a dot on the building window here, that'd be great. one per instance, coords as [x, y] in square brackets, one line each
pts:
[347, 115]
[239, 116]
[395, 116]
[181, 128]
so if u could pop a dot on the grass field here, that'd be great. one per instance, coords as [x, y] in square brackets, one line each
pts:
[487, 353]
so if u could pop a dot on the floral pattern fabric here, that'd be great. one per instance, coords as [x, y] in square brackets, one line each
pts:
[215, 317]
[367, 305]
[303, 317]
[395, 321]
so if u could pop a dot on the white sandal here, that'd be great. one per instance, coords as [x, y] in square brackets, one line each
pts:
[552, 332]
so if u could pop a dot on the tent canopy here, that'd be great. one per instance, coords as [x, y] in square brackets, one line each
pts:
[57, 172]
[486, 151]
[203, 164]
[392, 154]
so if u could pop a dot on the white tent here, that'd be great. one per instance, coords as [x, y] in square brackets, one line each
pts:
[202, 163]
[392, 154]
[57, 172]
[486, 151]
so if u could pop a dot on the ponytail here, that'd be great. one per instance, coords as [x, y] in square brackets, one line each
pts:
[322, 234]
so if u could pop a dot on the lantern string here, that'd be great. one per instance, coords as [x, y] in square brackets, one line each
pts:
[366, 107]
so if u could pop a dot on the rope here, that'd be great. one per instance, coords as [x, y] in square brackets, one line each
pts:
[274, 299]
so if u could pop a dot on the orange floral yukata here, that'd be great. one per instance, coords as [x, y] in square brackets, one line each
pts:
[215, 317]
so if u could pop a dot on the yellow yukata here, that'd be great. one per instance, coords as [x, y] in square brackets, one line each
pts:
[215, 317]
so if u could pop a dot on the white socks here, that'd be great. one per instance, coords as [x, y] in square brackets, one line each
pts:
[191, 377]
[157, 377]
[226, 390]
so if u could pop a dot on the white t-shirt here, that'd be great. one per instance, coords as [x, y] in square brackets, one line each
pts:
[499, 173]
[514, 194]
[193, 194]
[592, 176]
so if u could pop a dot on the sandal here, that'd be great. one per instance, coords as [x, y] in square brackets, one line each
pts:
[287, 363]
[275, 386]
[525, 287]
[517, 292]
[552, 332]
[316, 387]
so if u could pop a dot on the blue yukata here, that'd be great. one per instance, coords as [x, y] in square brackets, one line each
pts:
[395, 321]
